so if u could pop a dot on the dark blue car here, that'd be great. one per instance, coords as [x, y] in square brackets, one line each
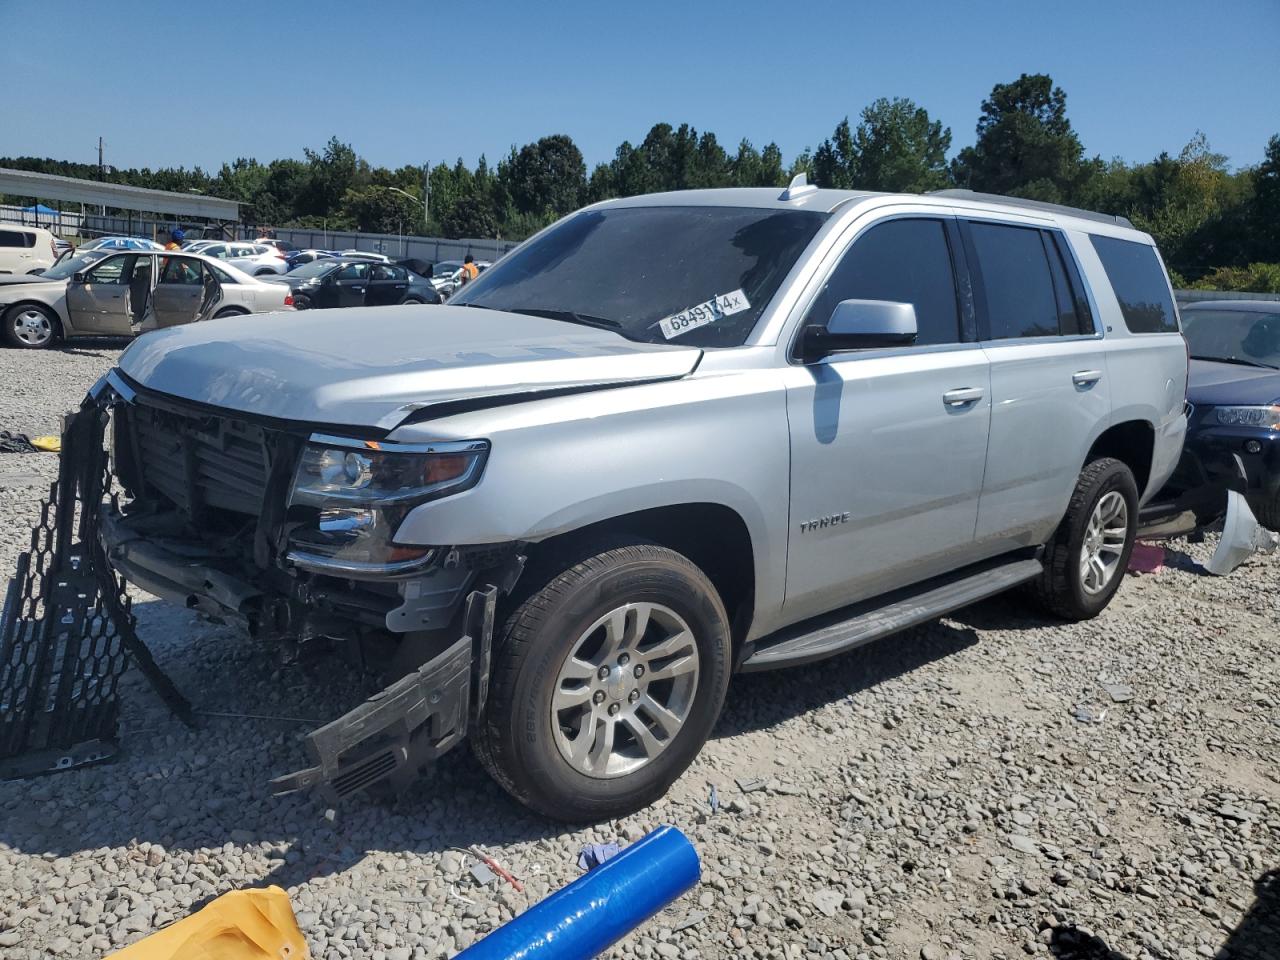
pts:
[1233, 430]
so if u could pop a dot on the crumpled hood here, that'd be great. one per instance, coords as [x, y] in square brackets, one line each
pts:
[1216, 384]
[374, 366]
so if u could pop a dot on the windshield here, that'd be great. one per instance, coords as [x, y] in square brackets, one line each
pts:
[316, 268]
[446, 268]
[1233, 335]
[691, 275]
[72, 265]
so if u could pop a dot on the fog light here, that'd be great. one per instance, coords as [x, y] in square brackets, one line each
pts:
[1252, 446]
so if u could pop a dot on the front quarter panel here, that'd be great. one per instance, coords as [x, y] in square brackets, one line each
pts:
[560, 464]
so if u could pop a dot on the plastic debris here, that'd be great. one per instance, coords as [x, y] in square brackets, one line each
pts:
[240, 925]
[1146, 558]
[594, 854]
[15, 443]
[692, 919]
[713, 800]
[1089, 712]
[481, 873]
[751, 784]
[1118, 692]
[49, 443]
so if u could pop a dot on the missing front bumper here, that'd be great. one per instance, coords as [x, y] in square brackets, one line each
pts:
[417, 719]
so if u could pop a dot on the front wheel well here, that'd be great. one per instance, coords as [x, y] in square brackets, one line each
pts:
[713, 536]
[1133, 444]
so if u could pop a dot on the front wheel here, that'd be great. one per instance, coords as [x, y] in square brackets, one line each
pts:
[608, 678]
[1087, 557]
[29, 326]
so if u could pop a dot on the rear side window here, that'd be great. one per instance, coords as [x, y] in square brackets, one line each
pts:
[905, 261]
[15, 238]
[1139, 284]
[1015, 282]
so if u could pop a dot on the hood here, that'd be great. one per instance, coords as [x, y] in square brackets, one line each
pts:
[376, 366]
[1215, 384]
[15, 279]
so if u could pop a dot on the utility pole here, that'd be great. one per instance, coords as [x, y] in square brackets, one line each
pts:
[426, 194]
[101, 175]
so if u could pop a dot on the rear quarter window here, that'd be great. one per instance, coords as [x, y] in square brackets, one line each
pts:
[14, 238]
[1139, 283]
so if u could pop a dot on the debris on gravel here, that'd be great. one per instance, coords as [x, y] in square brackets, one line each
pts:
[935, 795]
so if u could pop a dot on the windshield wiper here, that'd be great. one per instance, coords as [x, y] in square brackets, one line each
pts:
[1239, 360]
[570, 316]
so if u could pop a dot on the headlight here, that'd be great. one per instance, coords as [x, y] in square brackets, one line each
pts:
[350, 496]
[1263, 418]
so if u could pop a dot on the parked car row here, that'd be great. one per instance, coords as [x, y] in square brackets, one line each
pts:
[122, 293]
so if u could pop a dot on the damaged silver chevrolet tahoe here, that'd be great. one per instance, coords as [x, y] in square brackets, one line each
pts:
[669, 438]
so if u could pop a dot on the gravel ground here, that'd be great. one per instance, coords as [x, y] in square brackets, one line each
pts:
[934, 795]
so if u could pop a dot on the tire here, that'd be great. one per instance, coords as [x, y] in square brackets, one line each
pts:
[571, 603]
[265, 273]
[230, 312]
[1267, 511]
[413, 300]
[30, 326]
[1066, 589]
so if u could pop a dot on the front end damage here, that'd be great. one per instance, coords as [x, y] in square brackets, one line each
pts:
[199, 507]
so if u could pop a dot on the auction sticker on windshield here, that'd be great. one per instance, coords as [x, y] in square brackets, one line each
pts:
[717, 308]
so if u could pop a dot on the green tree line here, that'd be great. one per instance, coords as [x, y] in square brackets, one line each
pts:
[1216, 227]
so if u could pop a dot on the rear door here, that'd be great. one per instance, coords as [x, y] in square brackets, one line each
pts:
[180, 290]
[15, 251]
[1050, 394]
[101, 302]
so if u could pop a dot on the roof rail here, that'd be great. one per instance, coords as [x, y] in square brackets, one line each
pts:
[798, 187]
[1032, 205]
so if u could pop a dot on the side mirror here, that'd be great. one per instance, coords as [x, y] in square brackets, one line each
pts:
[861, 325]
[78, 277]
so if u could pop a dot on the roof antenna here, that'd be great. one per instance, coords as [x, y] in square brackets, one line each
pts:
[798, 187]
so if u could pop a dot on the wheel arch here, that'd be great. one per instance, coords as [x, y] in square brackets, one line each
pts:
[712, 535]
[1132, 442]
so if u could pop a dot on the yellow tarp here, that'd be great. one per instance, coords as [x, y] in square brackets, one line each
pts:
[48, 444]
[240, 925]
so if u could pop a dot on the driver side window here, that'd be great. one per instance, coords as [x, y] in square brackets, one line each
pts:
[113, 270]
[905, 261]
[354, 271]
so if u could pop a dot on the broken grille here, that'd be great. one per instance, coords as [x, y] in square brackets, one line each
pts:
[201, 461]
[66, 628]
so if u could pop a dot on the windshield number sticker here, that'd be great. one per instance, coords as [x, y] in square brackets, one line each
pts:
[717, 308]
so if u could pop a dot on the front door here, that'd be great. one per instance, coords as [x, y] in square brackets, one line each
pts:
[887, 445]
[100, 303]
[179, 293]
[351, 283]
[1049, 386]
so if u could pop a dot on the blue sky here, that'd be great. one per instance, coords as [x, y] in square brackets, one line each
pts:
[172, 83]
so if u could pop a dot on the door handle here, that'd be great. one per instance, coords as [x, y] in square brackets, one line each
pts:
[1086, 378]
[963, 396]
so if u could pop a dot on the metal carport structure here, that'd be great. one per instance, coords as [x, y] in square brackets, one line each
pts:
[45, 186]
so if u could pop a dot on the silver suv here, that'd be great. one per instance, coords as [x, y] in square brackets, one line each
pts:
[669, 438]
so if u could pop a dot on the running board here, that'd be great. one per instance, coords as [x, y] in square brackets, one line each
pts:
[863, 622]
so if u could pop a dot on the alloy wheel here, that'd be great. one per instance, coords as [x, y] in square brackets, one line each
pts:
[625, 690]
[1104, 542]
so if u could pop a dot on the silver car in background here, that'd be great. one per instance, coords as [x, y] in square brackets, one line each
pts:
[110, 293]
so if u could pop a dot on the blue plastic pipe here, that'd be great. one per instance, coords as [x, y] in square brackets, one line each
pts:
[599, 908]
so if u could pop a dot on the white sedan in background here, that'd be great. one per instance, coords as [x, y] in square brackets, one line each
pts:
[114, 294]
[255, 259]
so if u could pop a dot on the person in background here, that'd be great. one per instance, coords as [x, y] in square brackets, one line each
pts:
[469, 269]
[176, 236]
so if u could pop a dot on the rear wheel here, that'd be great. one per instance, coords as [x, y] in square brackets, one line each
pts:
[230, 312]
[30, 326]
[264, 272]
[1267, 510]
[607, 681]
[1087, 557]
